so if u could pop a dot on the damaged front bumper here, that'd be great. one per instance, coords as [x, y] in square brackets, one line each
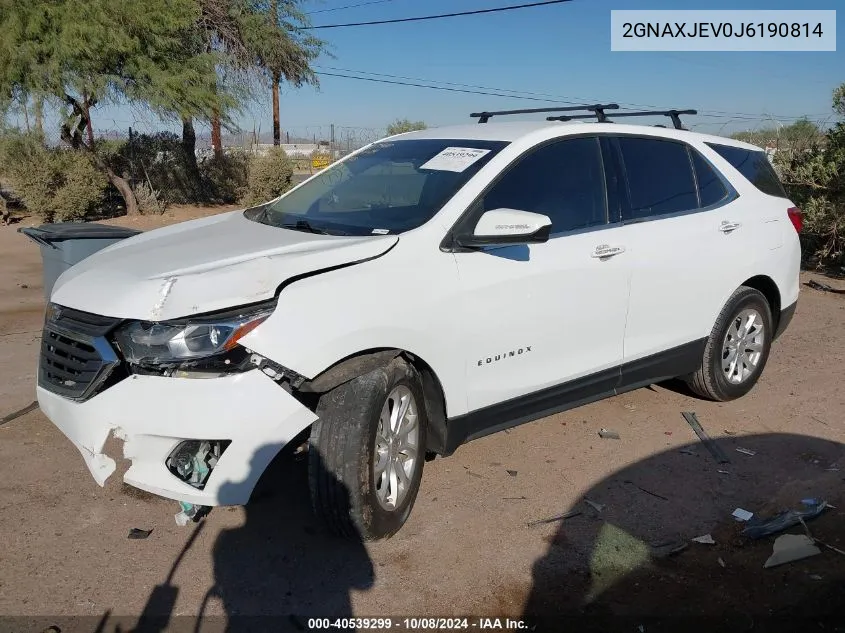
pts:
[154, 415]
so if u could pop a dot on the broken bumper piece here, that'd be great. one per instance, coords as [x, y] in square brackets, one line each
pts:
[155, 415]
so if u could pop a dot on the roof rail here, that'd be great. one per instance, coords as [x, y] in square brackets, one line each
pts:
[597, 110]
[674, 115]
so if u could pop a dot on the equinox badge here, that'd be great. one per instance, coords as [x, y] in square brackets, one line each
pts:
[510, 354]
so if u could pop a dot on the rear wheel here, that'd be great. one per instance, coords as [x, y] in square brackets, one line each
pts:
[737, 348]
[367, 450]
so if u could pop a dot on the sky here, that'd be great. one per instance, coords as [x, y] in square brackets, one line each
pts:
[561, 50]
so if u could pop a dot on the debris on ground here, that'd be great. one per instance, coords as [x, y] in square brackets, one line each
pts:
[791, 547]
[727, 432]
[648, 492]
[668, 548]
[830, 547]
[512, 473]
[711, 446]
[742, 515]
[721, 562]
[816, 285]
[815, 577]
[138, 533]
[514, 498]
[688, 451]
[760, 528]
[598, 507]
[32, 406]
[667, 432]
[723, 472]
[746, 451]
[554, 519]
[706, 539]
[472, 474]
[190, 512]
[606, 434]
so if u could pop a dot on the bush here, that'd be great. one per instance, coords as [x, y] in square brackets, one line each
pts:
[154, 158]
[56, 184]
[814, 176]
[150, 201]
[82, 188]
[268, 177]
[225, 178]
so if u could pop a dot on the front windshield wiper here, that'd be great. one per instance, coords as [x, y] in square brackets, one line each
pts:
[307, 227]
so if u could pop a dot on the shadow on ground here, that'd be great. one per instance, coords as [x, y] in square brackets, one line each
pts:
[617, 568]
[613, 567]
[275, 571]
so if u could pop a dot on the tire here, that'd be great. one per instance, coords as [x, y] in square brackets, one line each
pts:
[348, 495]
[714, 382]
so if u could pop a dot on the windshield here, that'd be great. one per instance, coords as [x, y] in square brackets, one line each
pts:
[390, 187]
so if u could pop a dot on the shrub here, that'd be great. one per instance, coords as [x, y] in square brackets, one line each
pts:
[154, 158]
[55, 184]
[225, 177]
[150, 201]
[814, 176]
[82, 187]
[268, 177]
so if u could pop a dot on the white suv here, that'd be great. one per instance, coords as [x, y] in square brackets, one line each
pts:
[429, 289]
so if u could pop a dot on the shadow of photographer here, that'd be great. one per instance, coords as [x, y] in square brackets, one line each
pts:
[627, 561]
[273, 572]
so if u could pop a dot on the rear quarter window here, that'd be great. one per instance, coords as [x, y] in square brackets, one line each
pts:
[754, 165]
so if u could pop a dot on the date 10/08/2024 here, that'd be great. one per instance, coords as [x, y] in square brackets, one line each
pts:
[417, 624]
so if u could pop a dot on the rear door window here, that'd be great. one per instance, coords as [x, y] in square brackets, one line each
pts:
[754, 165]
[659, 177]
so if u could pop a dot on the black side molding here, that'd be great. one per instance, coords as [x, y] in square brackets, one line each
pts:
[677, 361]
[784, 320]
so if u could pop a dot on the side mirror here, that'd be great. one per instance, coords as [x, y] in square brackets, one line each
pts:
[500, 227]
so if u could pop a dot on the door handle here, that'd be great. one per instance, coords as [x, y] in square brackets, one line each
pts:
[727, 227]
[604, 251]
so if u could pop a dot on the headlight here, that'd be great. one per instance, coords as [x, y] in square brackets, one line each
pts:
[145, 343]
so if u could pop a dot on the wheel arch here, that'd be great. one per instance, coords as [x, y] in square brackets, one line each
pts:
[366, 361]
[770, 290]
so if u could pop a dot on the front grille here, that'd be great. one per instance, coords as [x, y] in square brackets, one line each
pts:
[76, 358]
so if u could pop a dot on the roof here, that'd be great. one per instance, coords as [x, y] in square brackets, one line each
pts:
[515, 130]
[505, 131]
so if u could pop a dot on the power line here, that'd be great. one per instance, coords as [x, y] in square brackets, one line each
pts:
[439, 16]
[518, 93]
[548, 97]
[348, 6]
[447, 89]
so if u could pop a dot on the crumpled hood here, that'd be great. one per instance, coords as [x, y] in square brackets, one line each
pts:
[203, 265]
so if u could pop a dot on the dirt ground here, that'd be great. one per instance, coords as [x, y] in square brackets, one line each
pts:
[467, 549]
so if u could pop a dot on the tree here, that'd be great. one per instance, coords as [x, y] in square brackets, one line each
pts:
[812, 168]
[801, 133]
[285, 52]
[839, 100]
[87, 52]
[404, 125]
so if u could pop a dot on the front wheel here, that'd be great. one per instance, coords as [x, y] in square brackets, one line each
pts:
[367, 450]
[737, 348]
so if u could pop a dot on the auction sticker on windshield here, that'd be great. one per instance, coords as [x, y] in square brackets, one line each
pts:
[454, 159]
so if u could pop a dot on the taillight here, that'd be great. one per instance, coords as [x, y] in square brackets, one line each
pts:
[796, 217]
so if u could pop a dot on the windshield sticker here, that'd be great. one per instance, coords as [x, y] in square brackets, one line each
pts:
[455, 159]
[381, 231]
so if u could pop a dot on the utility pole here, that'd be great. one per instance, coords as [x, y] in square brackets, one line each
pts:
[331, 141]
